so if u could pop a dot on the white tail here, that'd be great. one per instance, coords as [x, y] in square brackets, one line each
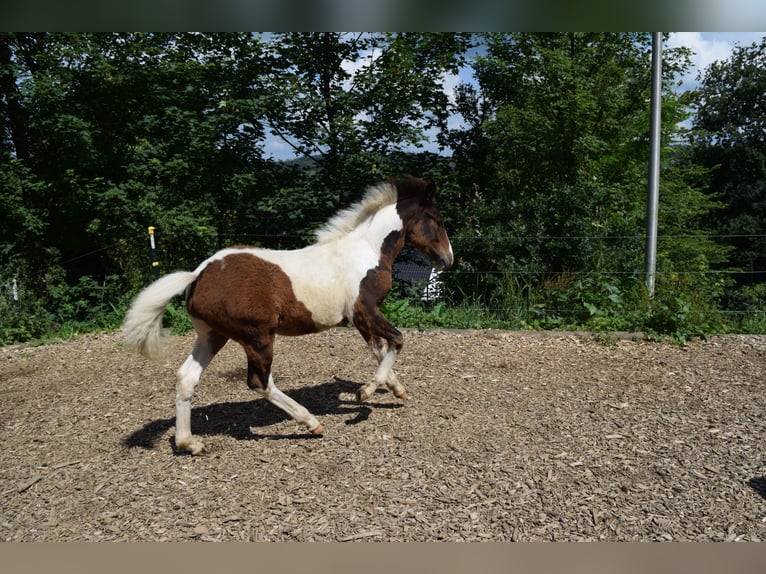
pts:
[143, 321]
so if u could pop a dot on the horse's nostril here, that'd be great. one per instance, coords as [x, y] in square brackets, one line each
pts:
[443, 262]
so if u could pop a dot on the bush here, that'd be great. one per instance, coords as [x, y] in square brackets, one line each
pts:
[62, 310]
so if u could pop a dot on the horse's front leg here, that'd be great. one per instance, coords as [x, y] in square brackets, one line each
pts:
[385, 346]
[386, 354]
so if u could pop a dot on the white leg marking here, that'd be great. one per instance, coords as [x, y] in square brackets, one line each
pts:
[385, 367]
[297, 411]
[395, 386]
[188, 376]
[385, 374]
[386, 357]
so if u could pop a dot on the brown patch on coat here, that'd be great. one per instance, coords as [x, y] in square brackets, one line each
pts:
[242, 294]
[244, 298]
[423, 227]
[373, 289]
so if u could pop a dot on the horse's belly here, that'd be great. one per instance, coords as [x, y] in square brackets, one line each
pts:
[326, 303]
[294, 326]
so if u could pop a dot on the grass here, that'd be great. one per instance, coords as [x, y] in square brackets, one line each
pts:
[402, 312]
[414, 314]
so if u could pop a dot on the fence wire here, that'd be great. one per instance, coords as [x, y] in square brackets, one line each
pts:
[13, 296]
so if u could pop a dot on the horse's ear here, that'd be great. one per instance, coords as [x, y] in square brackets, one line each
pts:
[429, 195]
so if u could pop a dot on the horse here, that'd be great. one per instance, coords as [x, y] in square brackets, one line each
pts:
[251, 294]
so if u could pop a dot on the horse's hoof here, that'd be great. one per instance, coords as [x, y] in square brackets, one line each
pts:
[197, 448]
[362, 395]
[403, 395]
[317, 430]
[194, 448]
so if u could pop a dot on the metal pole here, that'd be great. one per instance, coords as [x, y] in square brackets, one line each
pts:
[155, 263]
[652, 204]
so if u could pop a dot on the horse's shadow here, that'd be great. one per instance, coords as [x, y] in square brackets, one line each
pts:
[238, 419]
[758, 484]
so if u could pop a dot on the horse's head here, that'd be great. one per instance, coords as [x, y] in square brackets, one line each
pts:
[424, 223]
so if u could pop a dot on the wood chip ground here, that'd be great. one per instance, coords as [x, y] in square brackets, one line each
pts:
[507, 436]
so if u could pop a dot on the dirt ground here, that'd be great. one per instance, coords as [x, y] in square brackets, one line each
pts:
[507, 436]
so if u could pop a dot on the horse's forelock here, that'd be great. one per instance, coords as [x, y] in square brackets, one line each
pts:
[411, 188]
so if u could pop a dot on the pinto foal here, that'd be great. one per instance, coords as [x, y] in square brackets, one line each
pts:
[251, 295]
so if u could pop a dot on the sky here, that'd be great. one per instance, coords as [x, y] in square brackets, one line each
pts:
[707, 47]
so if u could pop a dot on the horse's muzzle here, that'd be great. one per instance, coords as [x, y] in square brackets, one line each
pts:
[443, 262]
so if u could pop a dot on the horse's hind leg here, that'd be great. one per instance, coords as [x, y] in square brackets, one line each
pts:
[260, 379]
[297, 411]
[208, 343]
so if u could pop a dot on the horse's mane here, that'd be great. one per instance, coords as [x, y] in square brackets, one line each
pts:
[375, 198]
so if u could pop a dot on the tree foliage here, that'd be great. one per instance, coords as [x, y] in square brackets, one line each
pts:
[557, 148]
[542, 163]
[729, 137]
[349, 103]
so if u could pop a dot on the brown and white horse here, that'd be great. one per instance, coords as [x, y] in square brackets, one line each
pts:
[251, 295]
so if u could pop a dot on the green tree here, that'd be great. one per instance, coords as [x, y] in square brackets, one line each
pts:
[106, 134]
[559, 127]
[137, 129]
[352, 103]
[728, 136]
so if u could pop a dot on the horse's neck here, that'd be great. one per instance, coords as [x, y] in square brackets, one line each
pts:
[377, 233]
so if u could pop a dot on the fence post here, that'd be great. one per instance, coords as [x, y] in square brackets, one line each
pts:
[652, 204]
[155, 263]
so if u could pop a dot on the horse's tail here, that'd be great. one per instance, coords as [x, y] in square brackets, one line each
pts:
[143, 321]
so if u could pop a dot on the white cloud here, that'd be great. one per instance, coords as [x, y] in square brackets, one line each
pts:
[276, 148]
[707, 48]
[366, 59]
[449, 83]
